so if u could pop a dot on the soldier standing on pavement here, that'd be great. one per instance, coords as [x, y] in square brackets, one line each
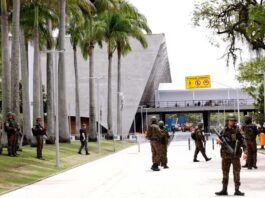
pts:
[39, 131]
[250, 132]
[234, 140]
[200, 143]
[83, 139]
[164, 142]
[155, 135]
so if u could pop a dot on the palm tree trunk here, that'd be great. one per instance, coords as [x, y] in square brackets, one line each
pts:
[109, 110]
[119, 121]
[15, 58]
[6, 79]
[50, 91]
[25, 89]
[92, 107]
[41, 93]
[77, 101]
[62, 97]
[36, 73]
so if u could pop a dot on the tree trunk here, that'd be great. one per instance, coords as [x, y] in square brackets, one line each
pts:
[77, 101]
[6, 79]
[25, 89]
[41, 93]
[15, 58]
[119, 121]
[36, 74]
[50, 92]
[62, 96]
[109, 110]
[92, 107]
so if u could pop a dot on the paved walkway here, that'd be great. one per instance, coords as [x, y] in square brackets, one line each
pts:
[127, 174]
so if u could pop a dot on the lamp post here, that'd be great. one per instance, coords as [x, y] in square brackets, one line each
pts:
[237, 98]
[56, 52]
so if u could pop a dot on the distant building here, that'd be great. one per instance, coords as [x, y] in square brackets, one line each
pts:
[142, 72]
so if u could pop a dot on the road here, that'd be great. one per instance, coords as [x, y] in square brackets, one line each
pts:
[127, 174]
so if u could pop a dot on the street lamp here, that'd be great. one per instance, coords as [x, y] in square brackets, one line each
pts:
[237, 98]
[56, 52]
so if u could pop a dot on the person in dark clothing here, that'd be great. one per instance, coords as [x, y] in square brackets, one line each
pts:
[39, 131]
[200, 143]
[83, 139]
[11, 129]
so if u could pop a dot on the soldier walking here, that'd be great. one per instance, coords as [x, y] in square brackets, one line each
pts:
[155, 135]
[200, 143]
[83, 139]
[164, 144]
[11, 129]
[235, 141]
[250, 133]
[39, 131]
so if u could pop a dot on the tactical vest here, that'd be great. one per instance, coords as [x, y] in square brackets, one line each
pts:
[250, 132]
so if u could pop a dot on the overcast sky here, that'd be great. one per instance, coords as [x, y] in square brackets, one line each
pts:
[189, 49]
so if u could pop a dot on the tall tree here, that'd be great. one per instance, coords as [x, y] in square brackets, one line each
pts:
[253, 84]
[15, 57]
[62, 96]
[234, 22]
[94, 33]
[6, 79]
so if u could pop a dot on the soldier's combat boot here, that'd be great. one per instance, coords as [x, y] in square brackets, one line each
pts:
[245, 166]
[223, 191]
[87, 153]
[238, 192]
[255, 167]
[195, 160]
[155, 167]
[208, 159]
[165, 166]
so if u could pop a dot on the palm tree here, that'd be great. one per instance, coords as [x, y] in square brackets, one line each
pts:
[77, 11]
[15, 57]
[135, 25]
[6, 79]
[94, 33]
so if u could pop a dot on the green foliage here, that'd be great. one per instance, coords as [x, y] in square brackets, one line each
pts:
[234, 21]
[250, 75]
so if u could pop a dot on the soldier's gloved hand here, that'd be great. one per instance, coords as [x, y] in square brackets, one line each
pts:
[218, 141]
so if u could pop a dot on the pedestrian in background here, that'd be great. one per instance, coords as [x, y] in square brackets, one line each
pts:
[83, 139]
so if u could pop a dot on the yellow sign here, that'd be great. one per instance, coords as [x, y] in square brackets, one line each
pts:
[198, 82]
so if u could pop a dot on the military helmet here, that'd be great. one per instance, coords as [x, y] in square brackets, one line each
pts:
[231, 116]
[200, 125]
[247, 119]
[161, 123]
[9, 114]
[153, 120]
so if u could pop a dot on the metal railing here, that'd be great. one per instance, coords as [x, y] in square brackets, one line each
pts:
[197, 103]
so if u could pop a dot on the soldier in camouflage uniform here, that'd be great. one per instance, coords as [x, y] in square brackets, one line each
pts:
[250, 133]
[11, 128]
[155, 135]
[200, 143]
[164, 144]
[18, 133]
[39, 131]
[235, 140]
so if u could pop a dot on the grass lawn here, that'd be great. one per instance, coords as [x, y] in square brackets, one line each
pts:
[18, 171]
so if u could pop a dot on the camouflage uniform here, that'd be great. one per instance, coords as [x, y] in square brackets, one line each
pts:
[83, 140]
[11, 128]
[250, 133]
[18, 133]
[234, 139]
[39, 131]
[164, 144]
[200, 142]
[154, 135]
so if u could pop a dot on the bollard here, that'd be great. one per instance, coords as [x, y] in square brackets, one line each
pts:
[213, 143]
[189, 143]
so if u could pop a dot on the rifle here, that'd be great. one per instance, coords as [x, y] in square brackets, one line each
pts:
[224, 142]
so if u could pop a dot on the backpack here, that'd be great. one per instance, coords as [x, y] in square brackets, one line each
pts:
[193, 135]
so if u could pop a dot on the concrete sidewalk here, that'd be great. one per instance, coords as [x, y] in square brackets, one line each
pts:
[127, 174]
